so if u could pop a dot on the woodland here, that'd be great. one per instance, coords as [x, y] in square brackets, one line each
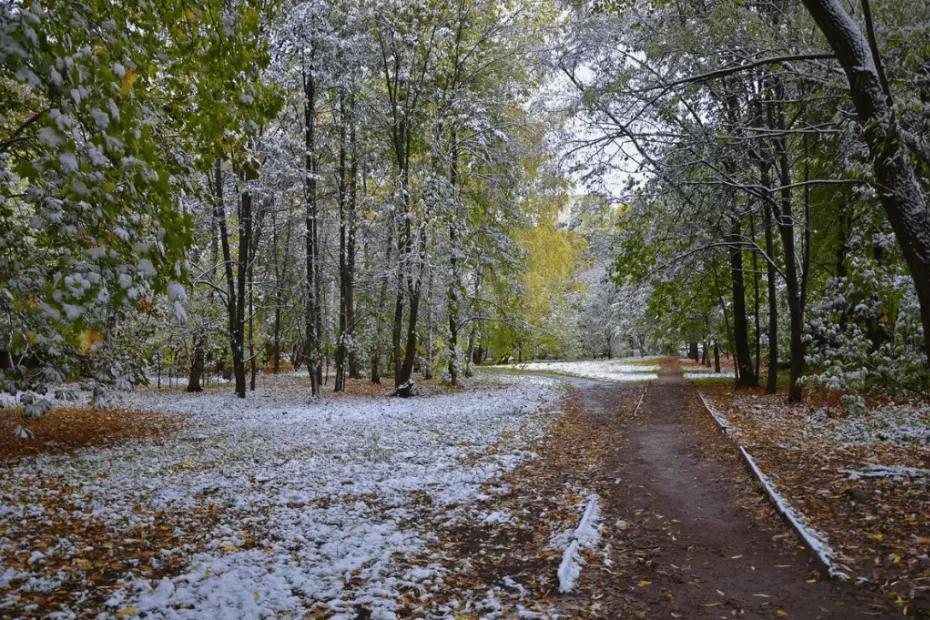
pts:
[298, 297]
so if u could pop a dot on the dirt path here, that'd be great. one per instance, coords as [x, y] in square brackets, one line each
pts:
[686, 532]
[710, 545]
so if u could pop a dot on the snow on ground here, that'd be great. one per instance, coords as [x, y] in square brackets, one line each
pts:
[902, 423]
[329, 491]
[699, 373]
[629, 369]
[804, 425]
[586, 535]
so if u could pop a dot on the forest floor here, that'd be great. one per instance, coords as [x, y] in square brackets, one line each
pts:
[485, 502]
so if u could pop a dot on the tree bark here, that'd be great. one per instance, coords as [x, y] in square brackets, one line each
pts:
[746, 376]
[313, 288]
[452, 302]
[233, 310]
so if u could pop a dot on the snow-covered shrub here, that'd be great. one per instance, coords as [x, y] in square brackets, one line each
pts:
[865, 332]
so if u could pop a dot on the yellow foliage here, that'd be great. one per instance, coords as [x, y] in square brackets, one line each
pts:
[89, 340]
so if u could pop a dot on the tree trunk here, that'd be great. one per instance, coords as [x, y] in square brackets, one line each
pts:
[452, 303]
[233, 311]
[746, 376]
[899, 191]
[339, 384]
[352, 225]
[242, 270]
[197, 363]
[784, 219]
[410, 349]
[313, 290]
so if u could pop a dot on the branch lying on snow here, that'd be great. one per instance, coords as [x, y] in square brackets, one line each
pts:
[871, 470]
[721, 421]
[585, 535]
[812, 538]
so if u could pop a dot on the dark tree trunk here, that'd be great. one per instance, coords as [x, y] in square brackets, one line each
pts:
[313, 286]
[397, 326]
[197, 363]
[784, 218]
[453, 292]
[693, 350]
[899, 190]
[716, 357]
[234, 312]
[410, 349]
[746, 376]
[242, 270]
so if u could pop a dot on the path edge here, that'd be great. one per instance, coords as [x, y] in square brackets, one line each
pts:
[812, 538]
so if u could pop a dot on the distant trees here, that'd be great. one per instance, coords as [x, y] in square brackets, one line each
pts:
[737, 141]
[366, 185]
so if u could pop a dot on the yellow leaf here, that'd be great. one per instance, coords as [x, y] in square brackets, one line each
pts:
[89, 340]
[644, 583]
[126, 612]
[229, 547]
[876, 536]
[781, 613]
[129, 78]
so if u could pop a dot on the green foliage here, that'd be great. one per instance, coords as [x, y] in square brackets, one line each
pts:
[109, 106]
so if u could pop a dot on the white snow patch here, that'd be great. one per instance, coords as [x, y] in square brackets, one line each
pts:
[620, 370]
[328, 489]
[871, 470]
[696, 374]
[586, 535]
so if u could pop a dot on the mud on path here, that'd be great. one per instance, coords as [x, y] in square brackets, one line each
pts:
[686, 533]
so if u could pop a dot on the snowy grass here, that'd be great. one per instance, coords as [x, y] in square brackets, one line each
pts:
[626, 370]
[331, 488]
